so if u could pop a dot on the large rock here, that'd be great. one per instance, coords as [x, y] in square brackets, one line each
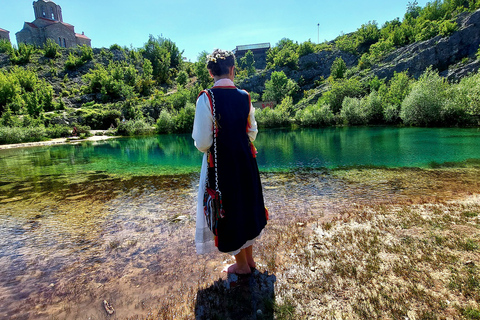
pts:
[438, 52]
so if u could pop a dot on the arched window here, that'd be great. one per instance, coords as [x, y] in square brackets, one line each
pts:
[52, 16]
[44, 14]
[64, 43]
[59, 41]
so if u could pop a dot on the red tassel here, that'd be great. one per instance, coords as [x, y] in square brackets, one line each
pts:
[266, 213]
[216, 241]
[211, 163]
[253, 149]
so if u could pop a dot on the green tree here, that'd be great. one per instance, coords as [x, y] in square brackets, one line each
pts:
[203, 77]
[278, 87]
[338, 69]
[305, 48]
[423, 105]
[160, 58]
[247, 62]
[182, 78]
[52, 49]
[339, 90]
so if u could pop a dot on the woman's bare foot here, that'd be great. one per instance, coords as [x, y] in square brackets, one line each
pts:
[237, 269]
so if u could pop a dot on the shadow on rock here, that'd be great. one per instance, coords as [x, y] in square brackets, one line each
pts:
[239, 297]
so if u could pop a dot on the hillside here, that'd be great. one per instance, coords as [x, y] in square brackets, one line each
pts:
[369, 77]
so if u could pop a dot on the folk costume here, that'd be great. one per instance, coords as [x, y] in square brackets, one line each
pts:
[238, 176]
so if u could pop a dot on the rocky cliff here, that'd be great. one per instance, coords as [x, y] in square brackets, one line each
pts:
[443, 54]
[453, 56]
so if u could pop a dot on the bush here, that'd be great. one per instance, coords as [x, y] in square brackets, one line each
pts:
[306, 48]
[278, 87]
[284, 54]
[391, 114]
[165, 122]
[423, 105]
[338, 69]
[272, 118]
[10, 135]
[398, 89]
[52, 50]
[59, 131]
[341, 89]
[182, 78]
[6, 47]
[134, 128]
[184, 119]
[371, 108]
[23, 54]
[351, 112]
[315, 116]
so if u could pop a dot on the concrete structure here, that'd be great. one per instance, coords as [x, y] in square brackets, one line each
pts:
[4, 34]
[259, 51]
[48, 24]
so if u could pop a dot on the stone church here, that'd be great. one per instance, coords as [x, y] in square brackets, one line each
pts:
[48, 24]
[4, 34]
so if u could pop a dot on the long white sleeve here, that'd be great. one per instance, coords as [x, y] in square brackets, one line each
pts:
[203, 124]
[253, 129]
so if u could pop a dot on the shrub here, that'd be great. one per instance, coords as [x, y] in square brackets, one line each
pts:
[284, 54]
[52, 50]
[351, 112]
[447, 27]
[58, 131]
[134, 128]
[247, 63]
[423, 105]
[278, 87]
[338, 69]
[306, 48]
[315, 116]
[10, 135]
[23, 54]
[371, 108]
[165, 122]
[391, 114]
[398, 89]
[182, 78]
[272, 118]
[184, 119]
[339, 90]
[346, 43]
[6, 47]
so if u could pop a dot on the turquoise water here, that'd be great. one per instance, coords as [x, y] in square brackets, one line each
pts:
[278, 150]
[103, 210]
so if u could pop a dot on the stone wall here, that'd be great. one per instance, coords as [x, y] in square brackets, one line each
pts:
[4, 34]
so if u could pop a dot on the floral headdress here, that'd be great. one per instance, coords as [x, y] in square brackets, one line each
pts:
[219, 54]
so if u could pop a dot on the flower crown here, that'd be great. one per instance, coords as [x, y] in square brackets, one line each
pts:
[219, 54]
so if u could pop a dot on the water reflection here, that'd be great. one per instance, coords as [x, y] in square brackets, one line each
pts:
[361, 146]
[99, 218]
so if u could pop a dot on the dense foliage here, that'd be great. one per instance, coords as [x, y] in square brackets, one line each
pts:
[45, 92]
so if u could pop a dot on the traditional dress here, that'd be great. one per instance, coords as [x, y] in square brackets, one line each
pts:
[238, 176]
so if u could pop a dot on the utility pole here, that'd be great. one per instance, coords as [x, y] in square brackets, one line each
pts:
[318, 33]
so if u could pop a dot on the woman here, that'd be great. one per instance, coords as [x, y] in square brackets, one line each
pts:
[238, 177]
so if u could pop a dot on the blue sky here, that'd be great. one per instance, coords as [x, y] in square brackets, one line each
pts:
[196, 26]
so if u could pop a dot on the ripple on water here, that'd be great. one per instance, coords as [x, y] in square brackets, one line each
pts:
[120, 235]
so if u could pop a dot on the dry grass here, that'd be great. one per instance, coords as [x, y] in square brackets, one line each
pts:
[388, 262]
[411, 254]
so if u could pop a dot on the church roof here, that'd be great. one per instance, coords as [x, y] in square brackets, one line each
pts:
[78, 35]
[31, 24]
[3, 30]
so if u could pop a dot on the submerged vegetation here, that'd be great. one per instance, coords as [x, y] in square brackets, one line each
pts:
[45, 92]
